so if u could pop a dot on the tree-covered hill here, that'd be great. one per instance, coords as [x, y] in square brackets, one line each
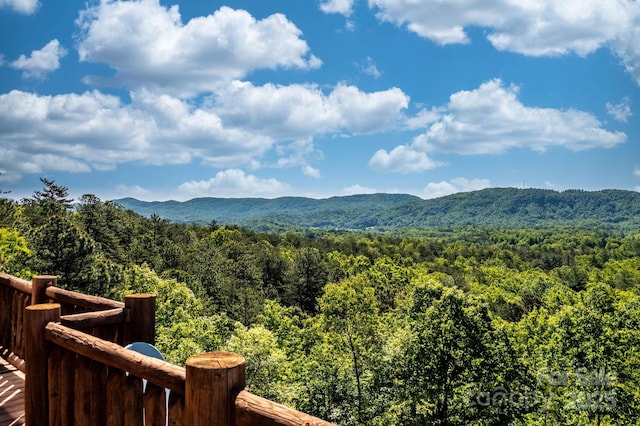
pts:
[513, 208]
[498, 207]
[289, 211]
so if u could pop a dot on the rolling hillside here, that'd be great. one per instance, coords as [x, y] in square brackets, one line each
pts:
[501, 207]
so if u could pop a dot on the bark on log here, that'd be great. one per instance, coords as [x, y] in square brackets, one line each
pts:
[176, 409]
[36, 396]
[254, 410]
[133, 405]
[16, 283]
[78, 299]
[98, 399]
[6, 300]
[39, 284]
[212, 383]
[93, 319]
[141, 321]
[67, 387]
[82, 394]
[159, 372]
[115, 397]
[55, 367]
[155, 405]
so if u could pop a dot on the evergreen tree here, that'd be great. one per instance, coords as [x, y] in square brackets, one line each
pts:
[308, 277]
[53, 193]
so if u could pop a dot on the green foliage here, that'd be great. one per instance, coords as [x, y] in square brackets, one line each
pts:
[99, 220]
[61, 248]
[175, 302]
[308, 278]
[181, 328]
[623, 274]
[349, 314]
[480, 321]
[182, 339]
[13, 253]
[266, 362]
[8, 213]
[585, 358]
[53, 193]
[450, 356]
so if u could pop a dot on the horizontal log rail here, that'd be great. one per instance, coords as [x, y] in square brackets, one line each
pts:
[120, 322]
[78, 299]
[255, 410]
[94, 319]
[57, 294]
[15, 283]
[212, 375]
[159, 372]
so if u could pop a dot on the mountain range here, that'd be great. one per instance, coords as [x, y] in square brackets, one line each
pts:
[494, 207]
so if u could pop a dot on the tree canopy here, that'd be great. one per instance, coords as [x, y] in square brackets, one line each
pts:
[468, 325]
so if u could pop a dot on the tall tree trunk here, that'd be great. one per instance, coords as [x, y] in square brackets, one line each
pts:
[356, 372]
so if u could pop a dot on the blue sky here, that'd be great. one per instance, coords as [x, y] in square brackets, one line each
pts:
[181, 99]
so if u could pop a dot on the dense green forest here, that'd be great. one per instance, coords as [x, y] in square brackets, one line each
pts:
[495, 207]
[455, 326]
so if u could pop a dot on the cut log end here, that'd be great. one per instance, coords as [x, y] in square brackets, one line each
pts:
[215, 360]
[43, 307]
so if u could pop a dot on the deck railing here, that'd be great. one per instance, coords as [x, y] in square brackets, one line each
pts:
[122, 323]
[78, 372]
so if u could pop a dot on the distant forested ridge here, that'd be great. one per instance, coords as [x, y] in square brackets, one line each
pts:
[494, 207]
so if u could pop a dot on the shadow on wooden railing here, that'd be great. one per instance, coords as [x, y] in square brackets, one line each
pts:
[77, 370]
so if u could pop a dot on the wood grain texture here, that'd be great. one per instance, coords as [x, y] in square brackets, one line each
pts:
[36, 317]
[254, 410]
[212, 383]
[159, 372]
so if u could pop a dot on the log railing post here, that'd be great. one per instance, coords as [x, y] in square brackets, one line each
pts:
[141, 318]
[39, 284]
[213, 381]
[36, 385]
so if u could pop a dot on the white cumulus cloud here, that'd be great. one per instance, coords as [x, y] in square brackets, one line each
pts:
[307, 170]
[491, 120]
[21, 6]
[621, 111]
[96, 131]
[147, 44]
[627, 48]
[423, 118]
[460, 184]
[343, 7]
[237, 127]
[301, 111]
[370, 68]
[535, 28]
[234, 183]
[402, 159]
[41, 61]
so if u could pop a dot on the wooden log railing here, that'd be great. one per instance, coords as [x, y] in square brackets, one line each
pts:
[15, 295]
[79, 378]
[122, 323]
